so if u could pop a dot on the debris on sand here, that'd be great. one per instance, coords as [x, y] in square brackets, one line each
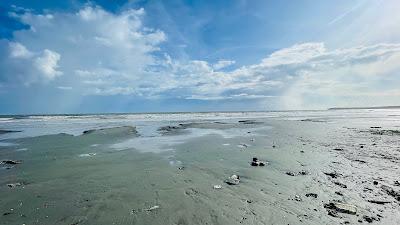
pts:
[385, 132]
[390, 191]
[302, 172]
[338, 149]
[170, 128]
[152, 208]
[380, 202]
[332, 174]
[338, 193]
[297, 198]
[14, 185]
[134, 211]
[375, 127]
[370, 219]
[243, 145]
[257, 162]
[312, 195]
[340, 184]
[249, 122]
[10, 162]
[217, 186]
[396, 183]
[233, 180]
[334, 207]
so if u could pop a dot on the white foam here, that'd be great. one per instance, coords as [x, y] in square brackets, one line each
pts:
[88, 155]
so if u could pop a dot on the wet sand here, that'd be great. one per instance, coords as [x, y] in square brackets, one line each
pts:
[107, 176]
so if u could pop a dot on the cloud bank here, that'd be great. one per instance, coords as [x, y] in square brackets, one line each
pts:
[94, 52]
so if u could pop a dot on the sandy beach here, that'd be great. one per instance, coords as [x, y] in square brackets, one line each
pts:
[326, 167]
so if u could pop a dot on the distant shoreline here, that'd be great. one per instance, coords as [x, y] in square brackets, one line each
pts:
[373, 107]
[188, 112]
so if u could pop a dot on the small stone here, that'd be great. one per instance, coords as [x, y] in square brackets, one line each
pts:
[233, 180]
[312, 195]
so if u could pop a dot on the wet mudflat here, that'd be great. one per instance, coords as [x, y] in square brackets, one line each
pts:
[315, 171]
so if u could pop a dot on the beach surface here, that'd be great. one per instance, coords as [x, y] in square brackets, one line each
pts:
[320, 167]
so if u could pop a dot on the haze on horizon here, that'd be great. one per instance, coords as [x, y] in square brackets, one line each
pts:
[138, 56]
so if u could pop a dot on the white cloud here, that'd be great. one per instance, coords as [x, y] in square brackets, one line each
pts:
[222, 64]
[92, 41]
[114, 54]
[47, 64]
[17, 50]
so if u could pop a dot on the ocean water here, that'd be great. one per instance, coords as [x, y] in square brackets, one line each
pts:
[116, 175]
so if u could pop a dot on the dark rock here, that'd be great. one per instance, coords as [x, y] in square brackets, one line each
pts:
[338, 149]
[396, 183]
[257, 162]
[303, 172]
[10, 162]
[375, 182]
[312, 195]
[290, 173]
[254, 163]
[375, 127]
[340, 184]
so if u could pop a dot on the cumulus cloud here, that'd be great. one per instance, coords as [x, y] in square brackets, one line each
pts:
[47, 64]
[115, 54]
[116, 48]
[303, 76]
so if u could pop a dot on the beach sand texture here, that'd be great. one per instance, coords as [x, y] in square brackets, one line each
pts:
[324, 167]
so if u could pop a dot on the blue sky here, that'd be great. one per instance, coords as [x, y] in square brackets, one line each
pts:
[139, 56]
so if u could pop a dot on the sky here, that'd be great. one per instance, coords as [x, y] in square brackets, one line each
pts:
[74, 56]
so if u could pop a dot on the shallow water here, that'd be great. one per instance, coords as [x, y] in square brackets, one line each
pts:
[117, 176]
